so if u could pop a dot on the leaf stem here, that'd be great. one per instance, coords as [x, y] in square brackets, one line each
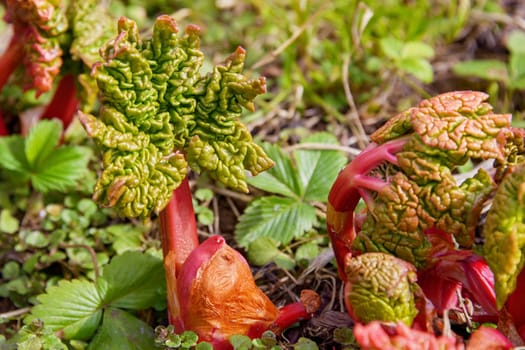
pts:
[178, 226]
[64, 103]
[10, 59]
[352, 184]
[178, 230]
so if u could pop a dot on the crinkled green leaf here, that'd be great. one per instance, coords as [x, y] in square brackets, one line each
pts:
[484, 69]
[403, 210]
[156, 106]
[41, 141]
[317, 169]
[74, 307]
[91, 27]
[123, 331]
[39, 25]
[282, 178]
[61, 169]
[133, 280]
[461, 122]
[281, 219]
[504, 231]
[381, 288]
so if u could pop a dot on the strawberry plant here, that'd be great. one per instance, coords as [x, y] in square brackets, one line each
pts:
[297, 182]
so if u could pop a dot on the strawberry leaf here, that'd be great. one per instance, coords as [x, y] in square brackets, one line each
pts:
[282, 178]
[61, 169]
[279, 218]
[75, 307]
[41, 141]
[133, 280]
[318, 169]
[122, 331]
[12, 154]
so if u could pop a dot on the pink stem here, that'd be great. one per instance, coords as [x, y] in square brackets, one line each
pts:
[298, 311]
[64, 103]
[10, 59]
[178, 226]
[179, 238]
[346, 191]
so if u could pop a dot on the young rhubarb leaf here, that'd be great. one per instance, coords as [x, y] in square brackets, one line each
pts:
[38, 26]
[504, 231]
[136, 288]
[159, 115]
[123, 331]
[73, 307]
[380, 287]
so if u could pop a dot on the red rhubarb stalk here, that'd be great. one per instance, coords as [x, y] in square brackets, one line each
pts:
[11, 58]
[178, 230]
[65, 103]
[351, 185]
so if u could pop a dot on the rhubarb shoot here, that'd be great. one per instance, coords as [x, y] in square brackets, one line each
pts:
[380, 287]
[504, 246]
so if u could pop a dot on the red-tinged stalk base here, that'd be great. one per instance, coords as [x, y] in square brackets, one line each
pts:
[178, 230]
[299, 311]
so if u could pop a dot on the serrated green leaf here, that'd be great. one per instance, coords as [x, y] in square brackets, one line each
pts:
[125, 237]
[122, 331]
[484, 69]
[12, 155]
[282, 178]
[61, 169]
[262, 251]
[41, 141]
[417, 49]
[279, 218]
[133, 280]
[418, 67]
[317, 169]
[75, 307]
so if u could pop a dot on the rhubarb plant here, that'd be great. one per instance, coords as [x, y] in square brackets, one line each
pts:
[419, 210]
[56, 42]
[160, 116]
